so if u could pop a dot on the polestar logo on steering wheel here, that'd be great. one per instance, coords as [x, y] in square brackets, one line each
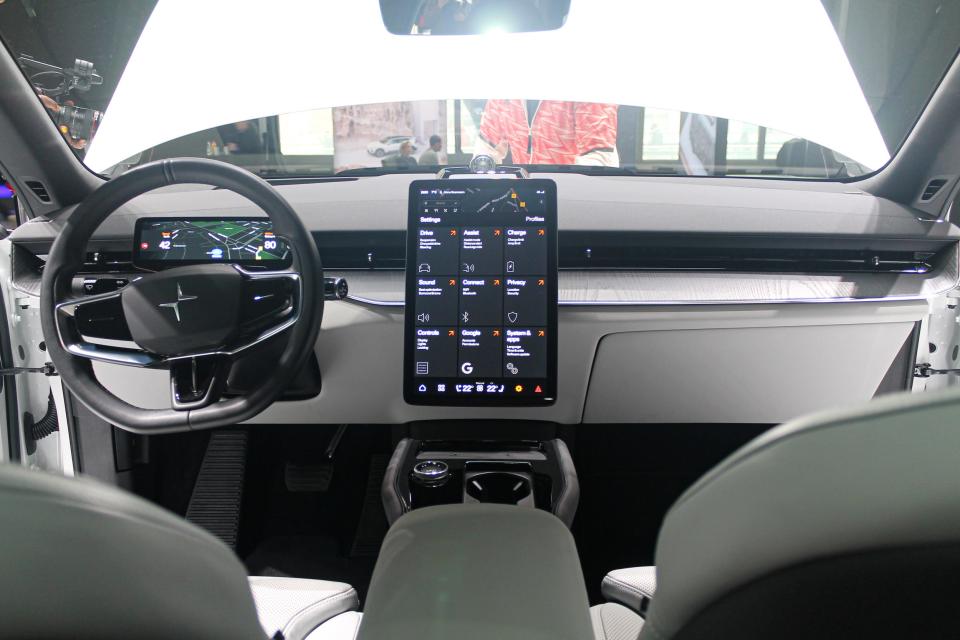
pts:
[176, 305]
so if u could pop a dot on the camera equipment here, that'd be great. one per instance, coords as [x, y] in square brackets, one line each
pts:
[57, 83]
[80, 123]
[80, 78]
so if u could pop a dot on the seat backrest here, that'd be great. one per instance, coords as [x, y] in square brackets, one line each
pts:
[845, 524]
[80, 559]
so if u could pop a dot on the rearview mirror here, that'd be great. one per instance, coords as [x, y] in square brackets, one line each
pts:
[472, 17]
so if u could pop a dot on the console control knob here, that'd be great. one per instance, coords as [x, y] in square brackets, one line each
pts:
[431, 473]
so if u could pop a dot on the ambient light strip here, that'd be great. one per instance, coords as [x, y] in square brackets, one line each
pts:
[647, 288]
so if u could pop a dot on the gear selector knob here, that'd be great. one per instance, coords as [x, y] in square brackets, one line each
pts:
[431, 473]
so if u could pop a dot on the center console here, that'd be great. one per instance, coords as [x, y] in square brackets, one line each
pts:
[531, 474]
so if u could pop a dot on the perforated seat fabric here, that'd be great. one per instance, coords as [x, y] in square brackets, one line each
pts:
[296, 606]
[342, 627]
[630, 587]
[613, 621]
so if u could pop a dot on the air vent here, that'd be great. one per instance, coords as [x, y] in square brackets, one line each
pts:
[933, 187]
[580, 250]
[361, 249]
[108, 261]
[742, 259]
[38, 190]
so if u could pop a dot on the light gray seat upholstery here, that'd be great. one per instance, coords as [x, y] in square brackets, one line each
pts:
[841, 525]
[612, 621]
[342, 627]
[80, 559]
[295, 606]
[633, 587]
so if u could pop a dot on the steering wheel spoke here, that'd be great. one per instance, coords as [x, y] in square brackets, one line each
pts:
[197, 382]
[69, 336]
[270, 304]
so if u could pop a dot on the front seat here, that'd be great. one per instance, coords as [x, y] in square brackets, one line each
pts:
[80, 559]
[841, 525]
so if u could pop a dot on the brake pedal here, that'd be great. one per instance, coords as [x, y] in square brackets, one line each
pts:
[218, 492]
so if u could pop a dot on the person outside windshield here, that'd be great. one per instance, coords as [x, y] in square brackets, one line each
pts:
[434, 156]
[549, 132]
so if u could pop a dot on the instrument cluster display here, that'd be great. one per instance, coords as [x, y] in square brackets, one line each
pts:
[177, 241]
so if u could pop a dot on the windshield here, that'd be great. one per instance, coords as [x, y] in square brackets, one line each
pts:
[812, 89]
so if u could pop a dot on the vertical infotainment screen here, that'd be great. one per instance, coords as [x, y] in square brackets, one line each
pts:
[481, 292]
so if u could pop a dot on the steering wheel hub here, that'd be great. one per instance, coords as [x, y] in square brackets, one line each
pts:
[184, 310]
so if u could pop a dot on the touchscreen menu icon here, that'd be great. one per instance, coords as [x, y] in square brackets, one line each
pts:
[526, 353]
[481, 251]
[525, 301]
[435, 352]
[525, 250]
[437, 250]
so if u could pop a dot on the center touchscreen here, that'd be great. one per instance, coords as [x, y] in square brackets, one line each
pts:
[481, 293]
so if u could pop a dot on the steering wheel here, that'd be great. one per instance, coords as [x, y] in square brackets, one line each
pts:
[192, 320]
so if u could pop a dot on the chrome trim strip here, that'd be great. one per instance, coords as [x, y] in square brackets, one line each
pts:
[376, 303]
[669, 303]
[920, 287]
[129, 358]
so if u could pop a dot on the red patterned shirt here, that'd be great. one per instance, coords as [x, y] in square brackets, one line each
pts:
[559, 133]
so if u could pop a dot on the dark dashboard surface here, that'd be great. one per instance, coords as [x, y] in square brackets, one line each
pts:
[717, 224]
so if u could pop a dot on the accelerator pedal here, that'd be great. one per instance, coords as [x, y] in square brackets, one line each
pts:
[218, 492]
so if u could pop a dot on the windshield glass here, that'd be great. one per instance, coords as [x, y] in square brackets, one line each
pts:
[813, 89]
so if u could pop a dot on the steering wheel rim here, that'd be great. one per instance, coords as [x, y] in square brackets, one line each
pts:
[66, 258]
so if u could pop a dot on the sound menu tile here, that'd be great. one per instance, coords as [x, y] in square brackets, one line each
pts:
[481, 292]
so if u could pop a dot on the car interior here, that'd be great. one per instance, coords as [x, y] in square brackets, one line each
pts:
[479, 319]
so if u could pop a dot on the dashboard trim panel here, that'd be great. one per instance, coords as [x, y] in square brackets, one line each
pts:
[668, 288]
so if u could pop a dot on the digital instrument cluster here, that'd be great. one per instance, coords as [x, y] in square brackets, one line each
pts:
[163, 242]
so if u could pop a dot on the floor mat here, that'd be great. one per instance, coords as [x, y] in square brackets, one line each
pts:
[307, 478]
[218, 492]
[306, 517]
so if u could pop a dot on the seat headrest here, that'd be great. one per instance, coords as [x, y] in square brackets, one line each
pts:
[811, 495]
[80, 559]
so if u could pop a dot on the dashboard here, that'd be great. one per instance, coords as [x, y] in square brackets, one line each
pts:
[679, 300]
